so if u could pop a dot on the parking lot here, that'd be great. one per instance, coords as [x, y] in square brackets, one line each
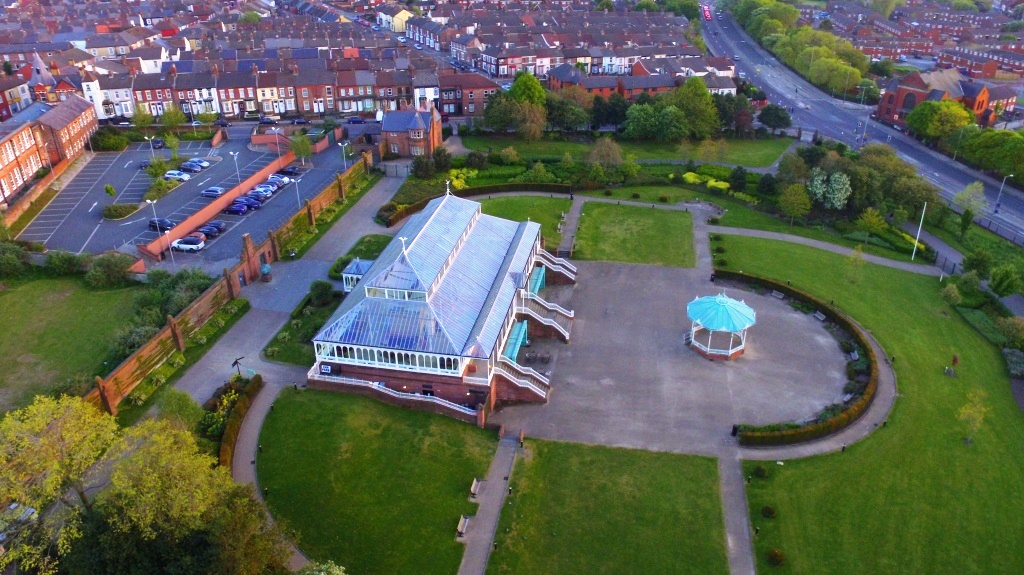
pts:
[74, 221]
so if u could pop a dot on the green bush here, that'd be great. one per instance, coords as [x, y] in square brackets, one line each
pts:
[119, 211]
[776, 557]
[234, 420]
[13, 260]
[768, 512]
[337, 269]
[423, 167]
[761, 471]
[476, 160]
[321, 293]
[108, 140]
[130, 338]
[109, 270]
[66, 263]
[159, 188]
[663, 199]
[721, 263]
[719, 249]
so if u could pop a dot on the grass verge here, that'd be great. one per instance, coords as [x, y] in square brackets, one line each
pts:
[1002, 250]
[545, 211]
[912, 497]
[292, 343]
[372, 487]
[628, 234]
[304, 241]
[33, 210]
[589, 509]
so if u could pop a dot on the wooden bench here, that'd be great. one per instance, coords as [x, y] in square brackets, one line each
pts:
[778, 294]
[819, 316]
[847, 397]
[854, 356]
[474, 489]
[460, 531]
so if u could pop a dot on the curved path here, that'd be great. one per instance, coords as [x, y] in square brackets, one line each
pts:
[271, 303]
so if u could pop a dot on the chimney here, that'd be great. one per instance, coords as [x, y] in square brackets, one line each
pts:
[295, 69]
[54, 68]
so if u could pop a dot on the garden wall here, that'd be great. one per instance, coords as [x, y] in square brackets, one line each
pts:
[411, 209]
[851, 413]
[25, 201]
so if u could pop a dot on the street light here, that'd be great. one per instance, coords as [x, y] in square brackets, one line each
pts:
[167, 234]
[344, 155]
[1000, 195]
[149, 139]
[234, 156]
[152, 205]
[297, 198]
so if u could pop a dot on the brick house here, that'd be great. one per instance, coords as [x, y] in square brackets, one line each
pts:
[901, 95]
[66, 128]
[20, 157]
[14, 95]
[412, 133]
[465, 94]
[632, 86]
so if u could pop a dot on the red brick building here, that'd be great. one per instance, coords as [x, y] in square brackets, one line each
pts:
[412, 133]
[465, 94]
[66, 128]
[901, 95]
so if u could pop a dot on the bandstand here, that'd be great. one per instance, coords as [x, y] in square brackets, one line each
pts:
[719, 326]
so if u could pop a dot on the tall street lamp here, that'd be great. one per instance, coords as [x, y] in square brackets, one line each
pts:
[149, 139]
[152, 204]
[167, 234]
[344, 155]
[1000, 195]
[298, 199]
[234, 156]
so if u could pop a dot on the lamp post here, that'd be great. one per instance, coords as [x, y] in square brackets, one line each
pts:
[167, 234]
[1000, 195]
[152, 152]
[152, 204]
[344, 155]
[234, 156]
[298, 199]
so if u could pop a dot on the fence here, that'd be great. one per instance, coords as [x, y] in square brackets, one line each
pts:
[411, 209]
[113, 388]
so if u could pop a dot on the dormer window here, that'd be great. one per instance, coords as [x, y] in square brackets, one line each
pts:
[416, 134]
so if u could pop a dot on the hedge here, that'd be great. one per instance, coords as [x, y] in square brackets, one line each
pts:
[119, 211]
[748, 436]
[234, 423]
[405, 211]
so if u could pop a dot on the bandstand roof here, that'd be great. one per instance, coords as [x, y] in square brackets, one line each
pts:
[721, 313]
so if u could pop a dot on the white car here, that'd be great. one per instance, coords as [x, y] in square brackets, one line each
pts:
[177, 175]
[188, 244]
[285, 180]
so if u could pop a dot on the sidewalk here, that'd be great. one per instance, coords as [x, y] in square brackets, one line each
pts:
[482, 526]
[738, 543]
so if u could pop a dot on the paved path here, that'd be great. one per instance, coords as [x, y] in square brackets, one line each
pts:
[491, 498]
[948, 256]
[738, 544]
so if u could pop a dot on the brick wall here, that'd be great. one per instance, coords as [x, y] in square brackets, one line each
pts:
[331, 194]
[25, 201]
[392, 400]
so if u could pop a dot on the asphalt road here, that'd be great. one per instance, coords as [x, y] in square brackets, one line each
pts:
[74, 222]
[845, 122]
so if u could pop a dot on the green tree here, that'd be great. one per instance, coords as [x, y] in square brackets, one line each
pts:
[871, 221]
[973, 413]
[605, 153]
[1005, 280]
[423, 167]
[8, 68]
[980, 261]
[641, 123]
[141, 118]
[172, 143]
[172, 117]
[698, 107]
[839, 191]
[972, 197]
[794, 202]
[767, 185]
[615, 111]
[250, 17]
[774, 117]
[531, 121]
[442, 159]
[565, 115]
[646, 6]
[301, 147]
[207, 118]
[604, 6]
[245, 540]
[526, 88]
[501, 112]
[109, 190]
[966, 219]
[738, 179]
[792, 169]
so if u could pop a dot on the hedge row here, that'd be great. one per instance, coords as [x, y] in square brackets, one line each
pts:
[841, 420]
[411, 209]
[119, 211]
[234, 423]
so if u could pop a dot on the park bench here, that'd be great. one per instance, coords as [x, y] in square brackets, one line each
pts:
[463, 526]
[778, 294]
[854, 356]
[847, 397]
[819, 316]
[474, 489]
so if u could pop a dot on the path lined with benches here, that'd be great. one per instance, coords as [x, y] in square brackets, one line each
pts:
[477, 532]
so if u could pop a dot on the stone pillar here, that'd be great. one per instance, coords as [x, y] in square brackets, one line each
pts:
[179, 339]
[101, 386]
[310, 214]
[250, 263]
[231, 282]
[275, 248]
[341, 188]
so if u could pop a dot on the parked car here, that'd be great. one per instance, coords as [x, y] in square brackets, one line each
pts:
[208, 231]
[265, 188]
[402, 39]
[268, 121]
[219, 224]
[188, 244]
[248, 202]
[289, 171]
[236, 209]
[161, 224]
[213, 192]
[419, 46]
[261, 195]
[200, 162]
[190, 167]
[300, 121]
[158, 143]
[355, 120]
[196, 123]
[222, 123]
[198, 235]
[176, 175]
[284, 180]
[145, 164]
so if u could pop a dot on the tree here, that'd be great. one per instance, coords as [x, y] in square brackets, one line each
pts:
[738, 179]
[979, 260]
[966, 219]
[501, 112]
[172, 117]
[973, 413]
[711, 150]
[937, 120]
[1005, 280]
[871, 221]
[792, 169]
[531, 121]
[142, 119]
[526, 88]
[250, 17]
[565, 115]
[423, 167]
[817, 185]
[855, 265]
[972, 197]
[697, 106]
[109, 190]
[442, 159]
[8, 68]
[172, 144]
[641, 123]
[605, 153]
[208, 118]
[774, 117]
[301, 147]
[246, 541]
[615, 111]
[47, 450]
[794, 202]
[838, 191]
[767, 185]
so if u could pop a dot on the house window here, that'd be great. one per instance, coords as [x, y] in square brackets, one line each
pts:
[330, 103]
[382, 92]
[394, 148]
[389, 92]
[360, 91]
[305, 92]
[416, 150]
[181, 95]
[329, 90]
[472, 108]
[305, 105]
[416, 134]
[471, 95]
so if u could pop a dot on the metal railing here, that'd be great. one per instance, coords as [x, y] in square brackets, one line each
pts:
[380, 387]
[555, 320]
[557, 264]
[523, 377]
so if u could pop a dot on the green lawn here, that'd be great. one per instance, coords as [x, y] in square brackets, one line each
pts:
[628, 234]
[372, 487]
[52, 329]
[586, 509]
[911, 498]
[545, 211]
[750, 153]
[370, 246]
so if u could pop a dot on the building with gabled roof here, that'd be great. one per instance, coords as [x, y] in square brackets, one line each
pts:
[412, 132]
[440, 317]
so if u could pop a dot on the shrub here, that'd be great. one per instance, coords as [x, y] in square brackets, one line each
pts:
[13, 260]
[320, 293]
[1014, 362]
[951, 294]
[271, 351]
[1012, 328]
[713, 221]
[980, 261]
[635, 195]
[295, 323]
[846, 345]
[159, 188]
[607, 192]
[719, 249]
[119, 211]
[761, 471]
[776, 557]
[66, 263]
[768, 512]
[721, 263]
[476, 160]
[442, 159]
[284, 337]
[234, 420]
[108, 140]
[338, 268]
[663, 199]
[510, 157]
[130, 338]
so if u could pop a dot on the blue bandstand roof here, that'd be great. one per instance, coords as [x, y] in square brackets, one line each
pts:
[721, 313]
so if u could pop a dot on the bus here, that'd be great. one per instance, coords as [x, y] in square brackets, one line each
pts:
[707, 13]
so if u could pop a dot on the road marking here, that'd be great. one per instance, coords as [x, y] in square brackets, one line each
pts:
[88, 239]
[203, 182]
[132, 222]
[90, 210]
[126, 165]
